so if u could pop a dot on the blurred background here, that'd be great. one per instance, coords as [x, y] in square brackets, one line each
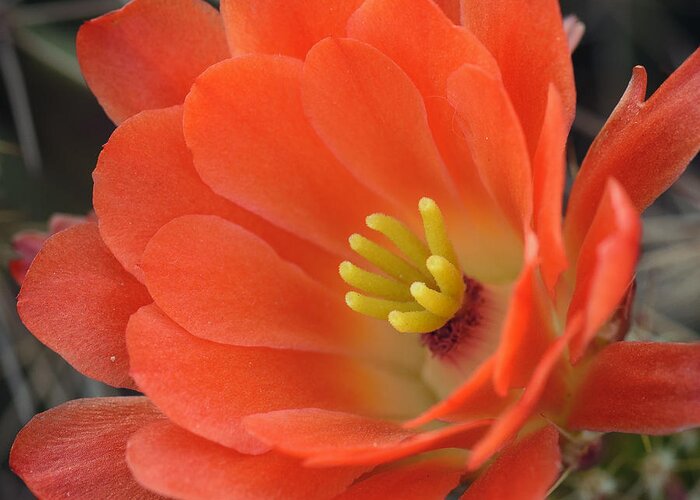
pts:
[52, 129]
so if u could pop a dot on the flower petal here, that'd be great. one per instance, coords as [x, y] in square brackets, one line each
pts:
[207, 387]
[175, 463]
[77, 300]
[471, 90]
[225, 284]
[548, 179]
[528, 41]
[528, 467]
[290, 28]
[425, 479]
[145, 178]
[78, 449]
[527, 329]
[444, 48]
[268, 159]
[542, 388]
[26, 246]
[645, 145]
[452, 9]
[476, 398]
[327, 438]
[147, 54]
[639, 387]
[370, 114]
[605, 268]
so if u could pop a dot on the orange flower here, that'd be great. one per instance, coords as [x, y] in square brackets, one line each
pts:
[225, 198]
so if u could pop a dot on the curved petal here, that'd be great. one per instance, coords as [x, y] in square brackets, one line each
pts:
[548, 172]
[527, 330]
[541, 389]
[645, 145]
[290, 28]
[489, 240]
[268, 159]
[425, 479]
[77, 300]
[452, 9]
[639, 387]
[528, 467]
[145, 178]
[370, 114]
[475, 398]
[502, 159]
[26, 246]
[207, 387]
[147, 54]
[175, 463]
[528, 41]
[605, 268]
[223, 283]
[85, 435]
[327, 438]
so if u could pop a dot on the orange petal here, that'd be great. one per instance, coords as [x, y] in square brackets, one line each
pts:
[291, 27]
[328, 438]
[476, 398]
[207, 387]
[548, 179]
[372, 117]
[452, 9]
[177, 464]
[605, 268]
[541, 388]
[147, 54]
[528, 41]
[225, 284]
[645, 145]
[269, 159]
[425, 479]
[495, 139]
[78, 449]
[528, 467]
[443, 49]
[640, 387]
[145, 178]
[77, 300]
[527, 329]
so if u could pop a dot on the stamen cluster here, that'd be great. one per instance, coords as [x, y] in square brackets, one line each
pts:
[424, 287]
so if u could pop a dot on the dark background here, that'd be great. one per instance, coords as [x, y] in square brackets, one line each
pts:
[51, 131]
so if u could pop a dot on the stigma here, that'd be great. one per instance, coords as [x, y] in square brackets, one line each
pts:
[422, 288]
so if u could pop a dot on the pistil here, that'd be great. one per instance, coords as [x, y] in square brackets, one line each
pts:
[422, 288]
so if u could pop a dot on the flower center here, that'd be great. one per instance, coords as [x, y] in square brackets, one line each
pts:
[423, 289]
[442, 341]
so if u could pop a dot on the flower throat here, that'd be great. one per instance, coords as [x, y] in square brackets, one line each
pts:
[423, 290]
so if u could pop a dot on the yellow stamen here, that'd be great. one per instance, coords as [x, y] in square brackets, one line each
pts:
[435, 302]
[415, 322]
[423, 292]
[448, 277]
[410, 245]
[376, 308]
[373, 283]
[384, 259]
[435, 230]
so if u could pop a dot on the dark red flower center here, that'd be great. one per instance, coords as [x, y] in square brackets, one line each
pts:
[457, 330]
